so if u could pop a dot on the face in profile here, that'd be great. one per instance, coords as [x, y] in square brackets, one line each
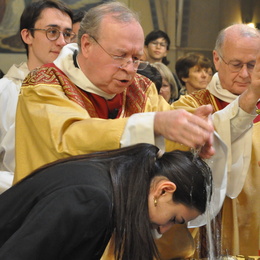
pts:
[163, 211]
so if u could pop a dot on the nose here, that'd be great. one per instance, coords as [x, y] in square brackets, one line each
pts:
[61, 40]
[204, 74]
[244, 72]
[165, 228]
[129, 66]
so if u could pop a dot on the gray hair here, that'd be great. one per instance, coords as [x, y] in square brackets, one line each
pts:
[168, 76]
[92, 19]
[242, 29]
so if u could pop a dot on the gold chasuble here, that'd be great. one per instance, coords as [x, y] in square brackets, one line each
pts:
[240, 217]
[50, 85]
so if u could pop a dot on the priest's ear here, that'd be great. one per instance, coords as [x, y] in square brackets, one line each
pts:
[87, 43]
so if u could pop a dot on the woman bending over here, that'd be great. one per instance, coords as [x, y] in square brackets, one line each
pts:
[69, 209]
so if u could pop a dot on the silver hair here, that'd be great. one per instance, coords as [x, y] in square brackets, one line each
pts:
[243, 30]
[93, 18]
[168, 76]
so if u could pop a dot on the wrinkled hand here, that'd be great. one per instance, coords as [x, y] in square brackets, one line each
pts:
[255, 86]
[249, 97]
[193, 130]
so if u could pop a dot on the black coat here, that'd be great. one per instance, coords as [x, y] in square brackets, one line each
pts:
[62, 212]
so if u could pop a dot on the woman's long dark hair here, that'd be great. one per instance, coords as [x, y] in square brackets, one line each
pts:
[131, 170]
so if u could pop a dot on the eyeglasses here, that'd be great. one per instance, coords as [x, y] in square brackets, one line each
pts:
[236, 66]
[53, 34]
[123, 62]
[161, 44]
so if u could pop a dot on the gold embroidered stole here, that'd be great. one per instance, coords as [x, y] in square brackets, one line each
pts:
[134, 97]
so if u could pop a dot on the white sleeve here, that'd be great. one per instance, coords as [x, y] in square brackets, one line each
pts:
[140, 129]
[235, 128]
[8, 104]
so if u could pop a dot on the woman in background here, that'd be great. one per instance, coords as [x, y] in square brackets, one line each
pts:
[195, 71]
[169, 89]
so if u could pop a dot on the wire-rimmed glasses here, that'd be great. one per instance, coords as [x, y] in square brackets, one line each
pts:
[161, 44]
[123, 62]
[236, 66]
[53, 34]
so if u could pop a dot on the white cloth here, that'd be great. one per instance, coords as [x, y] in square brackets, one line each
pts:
[218, 165]
[235, 129]
[234, 126]
[10, 86]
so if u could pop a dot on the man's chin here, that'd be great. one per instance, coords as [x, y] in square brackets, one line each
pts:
[239, 89]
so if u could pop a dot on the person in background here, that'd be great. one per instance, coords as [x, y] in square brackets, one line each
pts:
[169, 88]
[195, 71]
[236, 57]
[156, 46]
[74, 205]
[153, 74]
[77, 18]
[45, 27]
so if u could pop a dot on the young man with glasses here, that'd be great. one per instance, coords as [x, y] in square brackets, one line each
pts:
[236, 85]
[157, 43]
[45, 27]
[156, 47]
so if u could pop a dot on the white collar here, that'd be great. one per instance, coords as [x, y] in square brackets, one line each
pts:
[65, 63]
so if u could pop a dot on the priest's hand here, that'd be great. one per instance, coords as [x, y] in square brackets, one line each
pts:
[193, 130]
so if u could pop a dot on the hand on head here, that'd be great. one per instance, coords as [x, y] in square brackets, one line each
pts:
[193, 130]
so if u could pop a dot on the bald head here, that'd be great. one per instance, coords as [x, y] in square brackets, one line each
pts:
[235, 31]
[235, 53]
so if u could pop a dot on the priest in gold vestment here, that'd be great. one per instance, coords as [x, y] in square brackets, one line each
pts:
[240, 215]
[235, 55]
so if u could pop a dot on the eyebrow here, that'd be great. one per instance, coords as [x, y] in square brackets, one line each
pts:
[162, 41]
[124, 52]
[57, 26]
[237, 60]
